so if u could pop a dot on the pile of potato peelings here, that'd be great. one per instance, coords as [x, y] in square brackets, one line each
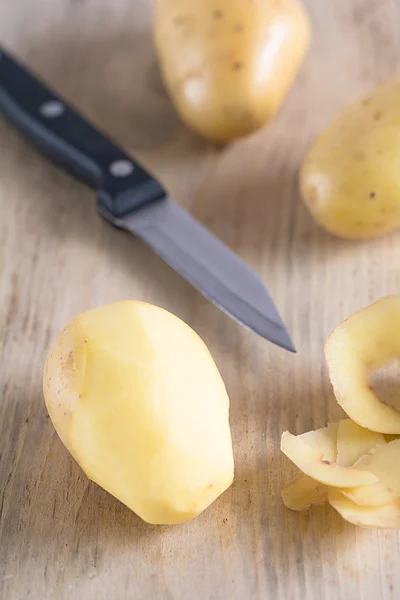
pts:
[354, 464]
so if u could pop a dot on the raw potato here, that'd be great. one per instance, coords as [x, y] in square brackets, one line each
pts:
[369, 339]
[313, 463]
[350, 178]
[304, 492]
[228, 64]
[384, 462]
[354, 441]
[379, 517]
[138, 401]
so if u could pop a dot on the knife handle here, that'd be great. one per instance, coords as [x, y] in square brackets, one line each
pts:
[68, 139]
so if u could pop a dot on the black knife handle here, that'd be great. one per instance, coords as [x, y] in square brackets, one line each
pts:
[70, 140]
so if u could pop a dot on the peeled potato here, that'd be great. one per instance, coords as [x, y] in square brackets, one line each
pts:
[354, 441]
[349, 180]
[314, 464]
[304, 492]
[379, 517]
[228, 64]
[138, 401]
[369, 339]
[384, 462]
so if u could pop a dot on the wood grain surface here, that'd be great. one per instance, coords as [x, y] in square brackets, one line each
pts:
[63, 537]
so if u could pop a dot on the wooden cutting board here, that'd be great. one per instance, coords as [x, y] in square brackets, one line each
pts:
[61, 536]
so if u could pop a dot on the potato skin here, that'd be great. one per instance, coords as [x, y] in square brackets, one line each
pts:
[363, 343]
[138, 401]
[229, 64]
[350, 177]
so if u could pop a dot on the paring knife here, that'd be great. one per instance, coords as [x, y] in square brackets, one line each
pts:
[131, 199]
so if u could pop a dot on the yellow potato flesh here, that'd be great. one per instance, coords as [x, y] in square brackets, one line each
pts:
[349, 180]
[313, 463]
[138, 401]
[384, 462]
[354, 441]
[379, 517]
[304, 492]
[369, 339]
[229, 64]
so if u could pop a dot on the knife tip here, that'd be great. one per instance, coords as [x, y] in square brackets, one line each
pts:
[279, 335]
[286, 342]
[290, 346]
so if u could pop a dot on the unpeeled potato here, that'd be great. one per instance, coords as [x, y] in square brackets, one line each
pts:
[350, 177]
[228, 64]
[138, 401]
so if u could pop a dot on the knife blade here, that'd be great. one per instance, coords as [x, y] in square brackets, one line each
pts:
[133, 200]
